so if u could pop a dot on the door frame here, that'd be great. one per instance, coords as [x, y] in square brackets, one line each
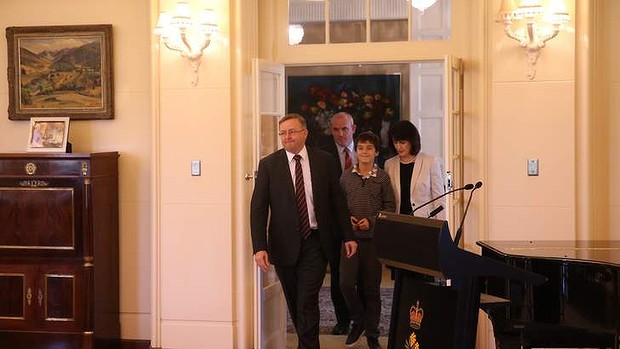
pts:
[273, 331]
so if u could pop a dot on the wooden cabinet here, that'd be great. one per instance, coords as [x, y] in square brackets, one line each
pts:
[59, 260]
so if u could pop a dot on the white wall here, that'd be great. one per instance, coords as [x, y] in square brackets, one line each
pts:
[193, 251]
[129, 132]
[531, 119]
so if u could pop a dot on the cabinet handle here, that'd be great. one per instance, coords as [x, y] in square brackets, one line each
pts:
[29, 296]
[40, 297]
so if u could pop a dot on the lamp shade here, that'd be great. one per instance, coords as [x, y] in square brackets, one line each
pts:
[182, 15]
[422, 5]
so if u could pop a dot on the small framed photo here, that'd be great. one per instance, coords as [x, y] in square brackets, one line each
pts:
[48, 134]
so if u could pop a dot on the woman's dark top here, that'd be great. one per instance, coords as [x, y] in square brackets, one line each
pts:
[406, 171]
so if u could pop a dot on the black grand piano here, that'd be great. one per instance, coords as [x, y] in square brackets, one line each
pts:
[579, 305]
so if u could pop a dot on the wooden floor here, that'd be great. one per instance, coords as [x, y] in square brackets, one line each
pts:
[333, 342]
[337, 342]
[127, 344]
[327, 341]
[51, 341]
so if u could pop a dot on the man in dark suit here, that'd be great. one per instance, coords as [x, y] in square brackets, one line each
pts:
[342, 129]
[341, 148]
[298, 198]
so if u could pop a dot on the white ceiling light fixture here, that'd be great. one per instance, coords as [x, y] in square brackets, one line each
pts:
[422, 5]
[532, 25]
[295, 34]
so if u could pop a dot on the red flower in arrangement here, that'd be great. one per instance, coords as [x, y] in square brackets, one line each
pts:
[369, 109]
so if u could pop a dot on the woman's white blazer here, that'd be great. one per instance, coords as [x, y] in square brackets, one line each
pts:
[427, 183]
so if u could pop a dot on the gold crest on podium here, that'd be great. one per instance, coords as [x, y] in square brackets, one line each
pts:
[416, 313]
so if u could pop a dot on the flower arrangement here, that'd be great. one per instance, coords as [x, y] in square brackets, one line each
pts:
[372, 100]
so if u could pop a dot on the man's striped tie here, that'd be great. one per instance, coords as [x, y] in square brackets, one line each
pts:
[300, 196]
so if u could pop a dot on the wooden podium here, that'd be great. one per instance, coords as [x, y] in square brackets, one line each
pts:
[437, 287]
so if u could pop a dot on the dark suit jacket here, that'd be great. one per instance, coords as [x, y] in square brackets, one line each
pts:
[331, 148]
[274, 209]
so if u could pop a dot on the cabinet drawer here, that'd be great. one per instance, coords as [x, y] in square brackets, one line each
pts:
[61, 297]
[44, 167]
[17, 296]
[44, 298]
[43, 218]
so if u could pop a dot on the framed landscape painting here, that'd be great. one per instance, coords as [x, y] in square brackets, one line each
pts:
[58, 71]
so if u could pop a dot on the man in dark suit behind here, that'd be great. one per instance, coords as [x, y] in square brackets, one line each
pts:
[341, 148]
[299, 240]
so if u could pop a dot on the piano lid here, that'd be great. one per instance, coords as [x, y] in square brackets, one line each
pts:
[595, 251]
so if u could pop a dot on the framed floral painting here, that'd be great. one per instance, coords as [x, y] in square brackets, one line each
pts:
[374, 101]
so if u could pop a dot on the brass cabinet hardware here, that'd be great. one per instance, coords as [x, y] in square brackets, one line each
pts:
[30, 168]
[40, 297]
[29, 296]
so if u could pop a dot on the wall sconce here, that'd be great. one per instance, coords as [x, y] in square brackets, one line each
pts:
[539, 25]
[422, 5]
[295, 34]
[186, 35]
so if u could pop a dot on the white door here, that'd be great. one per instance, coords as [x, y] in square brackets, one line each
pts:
[436, 110]
[268, 99]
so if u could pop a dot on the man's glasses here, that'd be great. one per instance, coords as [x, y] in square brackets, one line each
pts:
[290, 132]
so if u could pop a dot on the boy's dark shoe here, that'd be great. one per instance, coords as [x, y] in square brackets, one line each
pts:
[340, 329]
[356, 332]
[373, 343]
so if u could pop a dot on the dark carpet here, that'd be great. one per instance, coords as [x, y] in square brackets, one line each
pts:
[328, 318]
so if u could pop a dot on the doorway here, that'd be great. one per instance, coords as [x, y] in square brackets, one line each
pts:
[429, 94]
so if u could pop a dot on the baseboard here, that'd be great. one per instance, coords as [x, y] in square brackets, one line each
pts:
[34, 340]
[135, 344]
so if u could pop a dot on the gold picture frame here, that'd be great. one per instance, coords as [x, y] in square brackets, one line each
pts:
[60, 71]
[48, 134]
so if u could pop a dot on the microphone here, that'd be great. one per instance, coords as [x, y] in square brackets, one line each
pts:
[465, 187]
[435, 211]
[459, 231]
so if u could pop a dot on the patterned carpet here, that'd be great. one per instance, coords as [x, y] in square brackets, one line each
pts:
[328, 319]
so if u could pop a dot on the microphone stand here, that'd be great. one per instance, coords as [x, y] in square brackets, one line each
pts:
[459, 231]
[465, 187]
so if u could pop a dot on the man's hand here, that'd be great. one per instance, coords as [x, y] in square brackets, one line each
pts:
[262, 260]
[350, 247]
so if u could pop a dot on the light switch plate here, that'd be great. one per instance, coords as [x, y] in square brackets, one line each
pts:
[532, 167]
[195, 167]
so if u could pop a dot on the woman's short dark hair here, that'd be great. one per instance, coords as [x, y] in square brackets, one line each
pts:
[368, 137]
[404, 130]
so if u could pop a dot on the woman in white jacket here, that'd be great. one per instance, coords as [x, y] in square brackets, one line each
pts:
[416, 177]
